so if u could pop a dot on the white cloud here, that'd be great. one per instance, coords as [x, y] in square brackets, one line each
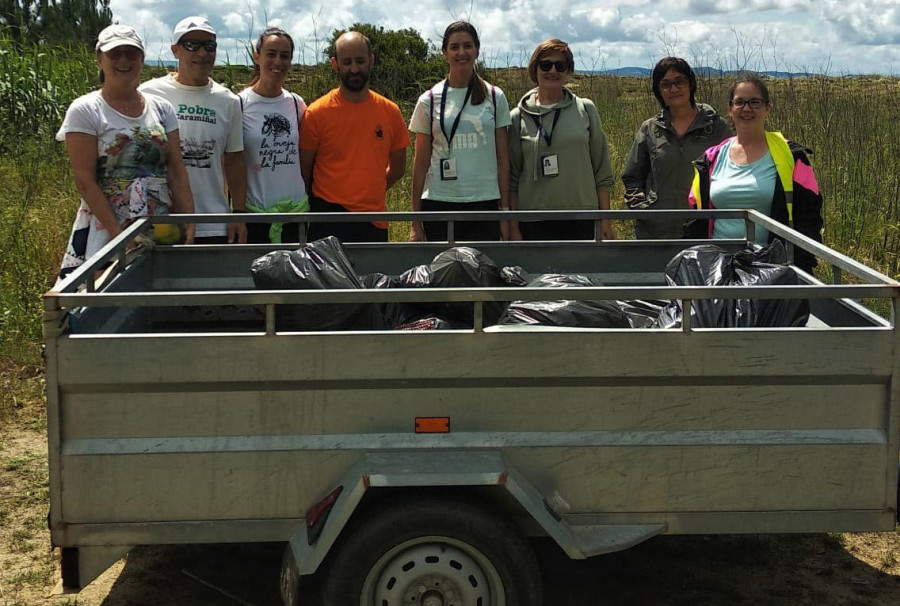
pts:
[848, 35]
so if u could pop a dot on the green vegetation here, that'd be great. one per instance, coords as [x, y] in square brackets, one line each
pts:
[31, 22]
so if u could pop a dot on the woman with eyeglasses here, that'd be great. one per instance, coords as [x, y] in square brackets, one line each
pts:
[658, 169]
[559, 158]
[272, 118]
[760, 170]
[462, 150]
[124, 150]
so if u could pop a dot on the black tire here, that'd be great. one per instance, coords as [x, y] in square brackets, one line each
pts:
[419, 551]
[296, 590]
[289, 579]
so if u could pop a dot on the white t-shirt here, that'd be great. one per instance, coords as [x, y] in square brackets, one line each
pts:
[209, 124]
[132, 156]
[474, 143]
[272, 147]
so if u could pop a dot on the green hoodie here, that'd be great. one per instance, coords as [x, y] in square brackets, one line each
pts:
[577, 140]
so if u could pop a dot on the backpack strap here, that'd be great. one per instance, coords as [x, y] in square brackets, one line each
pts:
[296, 107]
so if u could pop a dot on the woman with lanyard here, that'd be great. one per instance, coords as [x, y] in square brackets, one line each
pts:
[559, 158]
[272, 118]
[462, 152]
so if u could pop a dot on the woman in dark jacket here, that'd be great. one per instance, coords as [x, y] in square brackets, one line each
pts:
[658, 169]
[760, 170]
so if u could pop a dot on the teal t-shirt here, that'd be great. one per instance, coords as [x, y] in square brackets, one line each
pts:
[738, 186]
[474, 143]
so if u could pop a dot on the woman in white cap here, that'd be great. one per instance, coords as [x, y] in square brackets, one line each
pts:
[124, 151]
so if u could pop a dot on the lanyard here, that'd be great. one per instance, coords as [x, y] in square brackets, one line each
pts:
[458, 116]
[538, 121]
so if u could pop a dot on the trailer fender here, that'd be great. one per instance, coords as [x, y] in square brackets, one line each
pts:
[445, 469]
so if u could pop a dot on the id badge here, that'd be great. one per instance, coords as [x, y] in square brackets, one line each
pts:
[448, 169]
[550, 165]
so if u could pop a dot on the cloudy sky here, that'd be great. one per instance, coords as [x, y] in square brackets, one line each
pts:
[831, 36]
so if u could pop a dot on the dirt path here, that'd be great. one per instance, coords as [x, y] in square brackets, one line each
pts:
[789, 570]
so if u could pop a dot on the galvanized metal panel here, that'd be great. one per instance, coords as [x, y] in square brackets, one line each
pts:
[750, 522]
[506, 356]
[165, 412]
[259, 484]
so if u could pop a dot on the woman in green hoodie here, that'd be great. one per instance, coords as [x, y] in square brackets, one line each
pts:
[559, 158]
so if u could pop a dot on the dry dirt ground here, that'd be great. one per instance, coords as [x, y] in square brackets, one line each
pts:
[788, 570]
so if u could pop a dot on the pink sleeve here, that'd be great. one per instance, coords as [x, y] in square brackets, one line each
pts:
[803, 175]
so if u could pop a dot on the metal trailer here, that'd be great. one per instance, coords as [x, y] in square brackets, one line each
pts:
[417, 462]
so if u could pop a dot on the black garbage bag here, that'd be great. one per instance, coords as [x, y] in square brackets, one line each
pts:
[642, 313]
[394, 315]
[515, 276]
[458, 267]
[581, 314]
[709, 265]
[431, 323]
[318, 265]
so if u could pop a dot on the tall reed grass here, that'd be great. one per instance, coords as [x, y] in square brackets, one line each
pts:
[37, 196]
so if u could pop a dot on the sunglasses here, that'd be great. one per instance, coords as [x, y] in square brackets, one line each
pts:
[546, 66]
[195, 45]
[131, 53]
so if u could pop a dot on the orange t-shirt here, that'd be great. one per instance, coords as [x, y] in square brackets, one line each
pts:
[353, 142]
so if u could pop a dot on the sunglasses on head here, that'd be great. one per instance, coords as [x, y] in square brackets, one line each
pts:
[195, 45]
[561, 66]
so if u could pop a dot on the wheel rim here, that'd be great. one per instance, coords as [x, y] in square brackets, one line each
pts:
[433, 571]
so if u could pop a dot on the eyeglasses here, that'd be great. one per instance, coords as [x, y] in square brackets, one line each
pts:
[195, 45]
[561, 66]
[751, 103]
[670, 84]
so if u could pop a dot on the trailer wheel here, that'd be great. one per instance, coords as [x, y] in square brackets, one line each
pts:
[432, 553]
[290, 578]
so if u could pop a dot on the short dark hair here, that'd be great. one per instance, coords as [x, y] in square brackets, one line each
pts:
[750, 78]
[546, 47]
[679, 65]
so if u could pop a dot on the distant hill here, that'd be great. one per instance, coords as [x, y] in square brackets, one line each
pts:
[644, 72]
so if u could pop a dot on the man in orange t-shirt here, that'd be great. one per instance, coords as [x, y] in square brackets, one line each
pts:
[352, 146]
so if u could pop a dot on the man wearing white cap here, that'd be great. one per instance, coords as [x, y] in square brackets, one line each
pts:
[209, 118]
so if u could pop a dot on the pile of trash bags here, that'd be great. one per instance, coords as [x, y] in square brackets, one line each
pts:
[324, 264]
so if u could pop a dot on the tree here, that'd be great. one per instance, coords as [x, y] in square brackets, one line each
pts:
[405, 64]
[54, 22]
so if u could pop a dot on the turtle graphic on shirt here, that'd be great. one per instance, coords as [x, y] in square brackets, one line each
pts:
[276, 125]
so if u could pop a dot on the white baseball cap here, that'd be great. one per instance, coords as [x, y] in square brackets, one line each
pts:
[192, 24]
[118, 35]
